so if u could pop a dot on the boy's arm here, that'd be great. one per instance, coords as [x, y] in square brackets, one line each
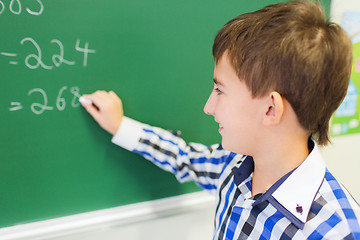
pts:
[166, 149]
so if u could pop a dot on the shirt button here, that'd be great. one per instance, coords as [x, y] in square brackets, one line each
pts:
[299, 209]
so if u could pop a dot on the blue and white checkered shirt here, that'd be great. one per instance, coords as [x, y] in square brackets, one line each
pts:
[306, 203]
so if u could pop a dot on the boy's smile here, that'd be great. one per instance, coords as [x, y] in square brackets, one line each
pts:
[236, 111]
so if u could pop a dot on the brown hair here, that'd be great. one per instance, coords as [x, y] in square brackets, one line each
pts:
[291, 48]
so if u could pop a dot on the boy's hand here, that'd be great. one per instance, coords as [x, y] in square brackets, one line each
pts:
[108, 111]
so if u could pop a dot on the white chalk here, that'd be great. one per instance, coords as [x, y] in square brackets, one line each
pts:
[82, 99]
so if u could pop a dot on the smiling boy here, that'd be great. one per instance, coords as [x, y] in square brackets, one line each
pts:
[280, 73]
[252, 126]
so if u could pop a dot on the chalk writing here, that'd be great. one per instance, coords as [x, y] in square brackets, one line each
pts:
[15, 106]
[75, 101]
[43, 105]
[58, 59]
[85, 50]
[39, 108]
[10, 55]
[60, 101]
[15, 7]
[35, 59]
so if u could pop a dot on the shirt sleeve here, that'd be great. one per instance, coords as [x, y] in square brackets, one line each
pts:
[188, 161]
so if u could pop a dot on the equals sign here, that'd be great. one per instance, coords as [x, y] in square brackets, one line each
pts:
[15, 106]
[10, 55]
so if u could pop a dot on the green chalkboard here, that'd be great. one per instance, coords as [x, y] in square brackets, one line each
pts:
[155, 54]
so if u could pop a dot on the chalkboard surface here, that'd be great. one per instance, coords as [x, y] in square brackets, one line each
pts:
[156, 54]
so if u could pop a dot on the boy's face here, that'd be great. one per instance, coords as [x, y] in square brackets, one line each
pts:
[238, 114]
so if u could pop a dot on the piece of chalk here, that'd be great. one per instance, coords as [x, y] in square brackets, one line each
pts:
[82, 99]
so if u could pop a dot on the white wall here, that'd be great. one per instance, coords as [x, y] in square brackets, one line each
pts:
[343, 160]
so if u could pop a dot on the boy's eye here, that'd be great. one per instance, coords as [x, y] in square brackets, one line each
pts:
[218, 91]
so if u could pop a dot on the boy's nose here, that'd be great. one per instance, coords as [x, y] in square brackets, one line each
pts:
[208, 108]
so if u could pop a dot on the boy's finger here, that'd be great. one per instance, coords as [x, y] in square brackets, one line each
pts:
[114, 96]
[92, 111]
[96, 99]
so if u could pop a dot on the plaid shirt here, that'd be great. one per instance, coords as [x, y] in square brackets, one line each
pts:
[306, 203]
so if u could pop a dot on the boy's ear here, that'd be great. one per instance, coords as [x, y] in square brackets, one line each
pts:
[274, 109]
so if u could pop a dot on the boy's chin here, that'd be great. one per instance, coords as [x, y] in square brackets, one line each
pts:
[225, 145]
[235, 149]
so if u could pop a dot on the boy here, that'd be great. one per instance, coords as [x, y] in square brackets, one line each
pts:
[279, 75]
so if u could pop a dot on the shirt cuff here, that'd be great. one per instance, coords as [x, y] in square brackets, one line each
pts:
[128, 134]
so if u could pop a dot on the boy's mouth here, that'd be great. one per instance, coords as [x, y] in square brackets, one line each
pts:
[220, 128]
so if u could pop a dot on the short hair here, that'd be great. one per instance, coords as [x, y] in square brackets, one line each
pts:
[293, 49]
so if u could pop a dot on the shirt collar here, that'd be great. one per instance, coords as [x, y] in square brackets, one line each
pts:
[244, 171]
[295, 192]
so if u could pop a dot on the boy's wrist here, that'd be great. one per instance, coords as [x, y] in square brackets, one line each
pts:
[128, 134]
